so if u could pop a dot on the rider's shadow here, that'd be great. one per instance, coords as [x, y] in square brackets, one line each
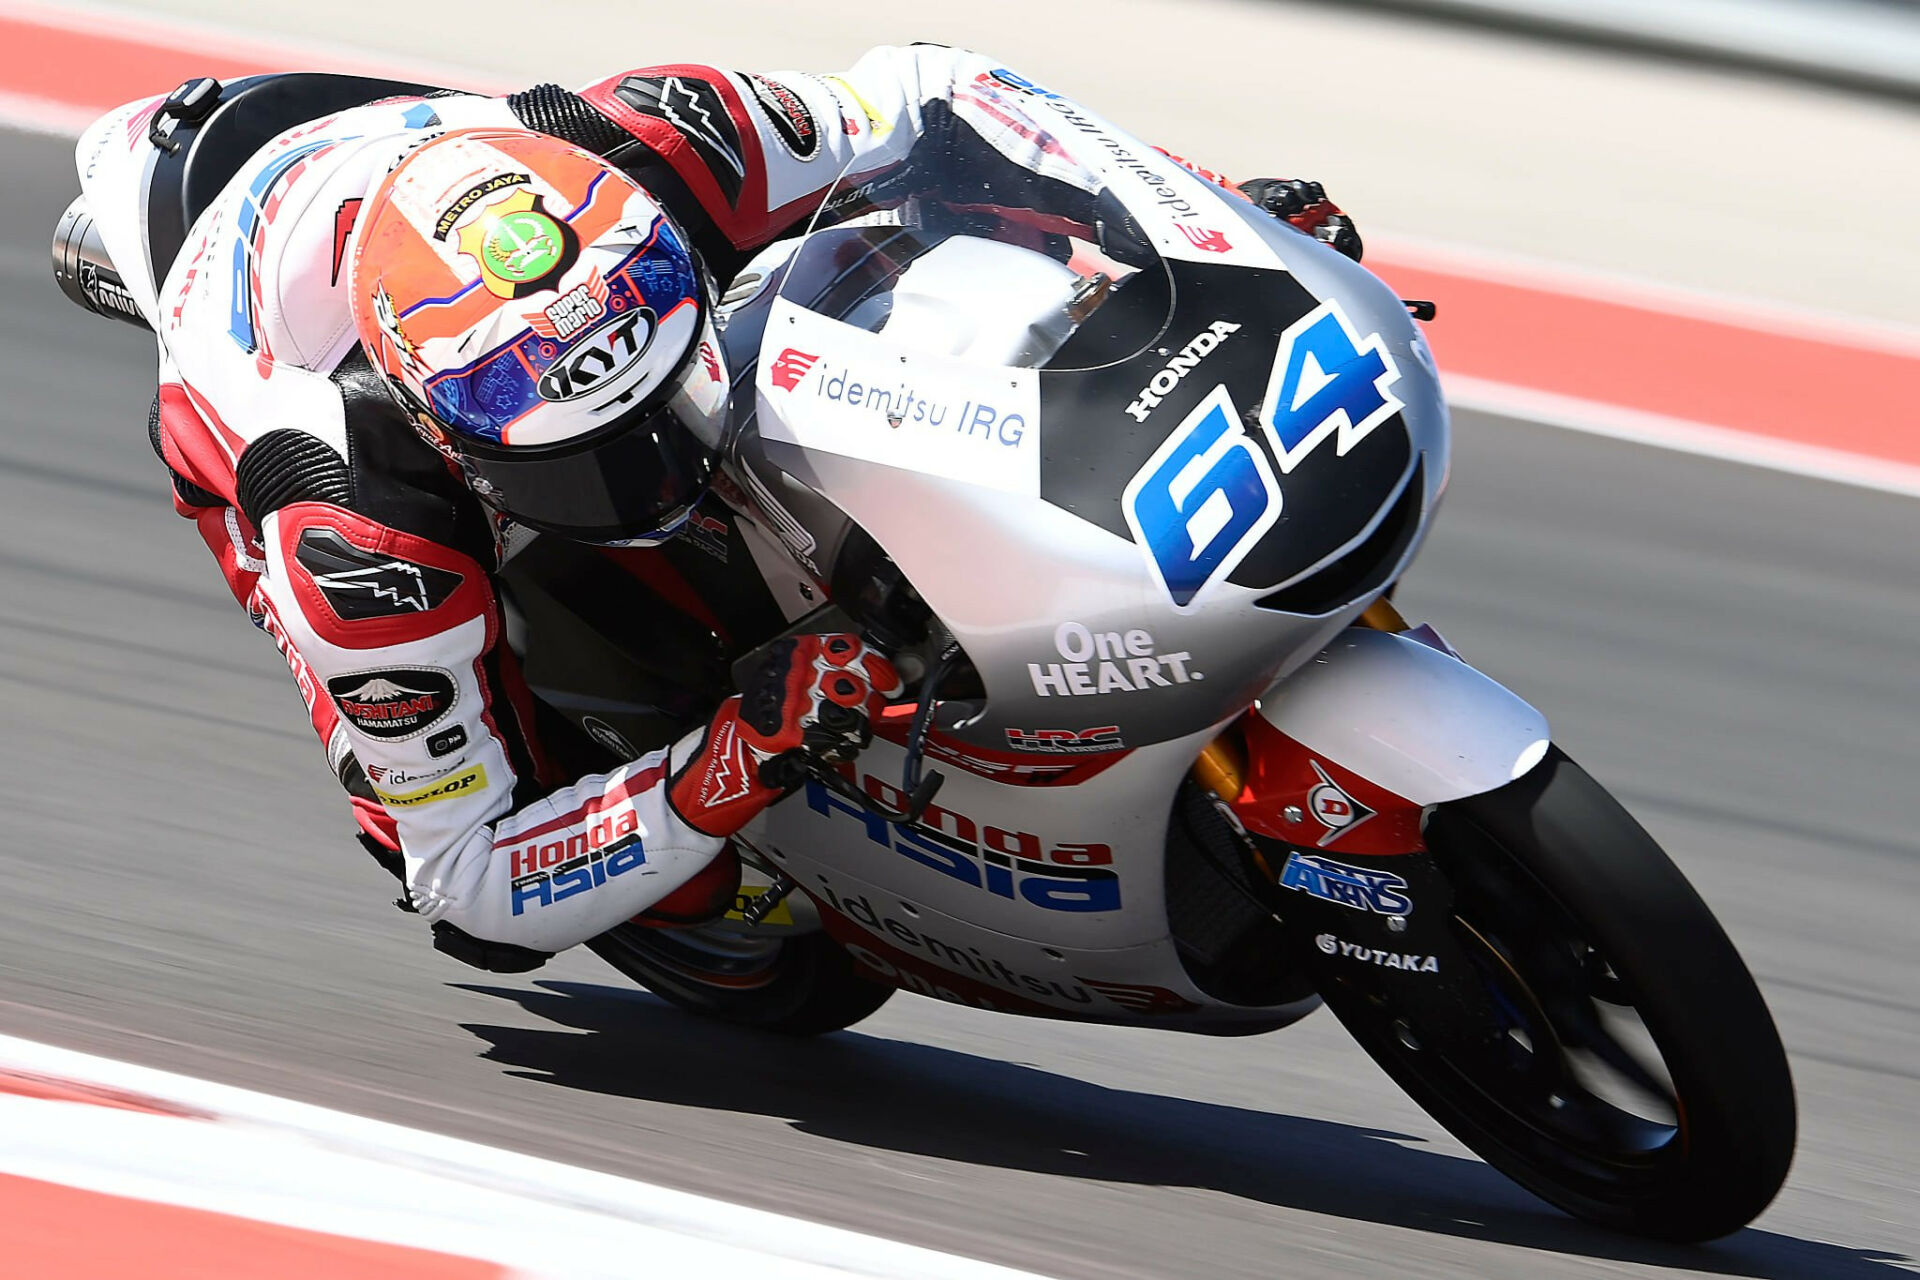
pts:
[863, 1089]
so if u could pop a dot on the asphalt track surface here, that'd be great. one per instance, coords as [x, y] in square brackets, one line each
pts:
[1731, 649]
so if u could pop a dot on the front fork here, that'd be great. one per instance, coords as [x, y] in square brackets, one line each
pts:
[1329, 780]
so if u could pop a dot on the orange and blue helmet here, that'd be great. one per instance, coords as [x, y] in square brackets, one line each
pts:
[545, 323]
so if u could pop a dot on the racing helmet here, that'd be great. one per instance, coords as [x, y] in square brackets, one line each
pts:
[546, 326]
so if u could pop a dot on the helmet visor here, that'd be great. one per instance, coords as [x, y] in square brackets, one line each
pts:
[633, 478]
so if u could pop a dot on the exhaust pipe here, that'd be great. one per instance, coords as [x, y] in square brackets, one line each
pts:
[84, 270]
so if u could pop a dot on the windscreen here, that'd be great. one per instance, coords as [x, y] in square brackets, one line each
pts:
[964, 251]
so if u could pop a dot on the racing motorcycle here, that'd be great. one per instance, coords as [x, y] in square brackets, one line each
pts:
[1122, 472]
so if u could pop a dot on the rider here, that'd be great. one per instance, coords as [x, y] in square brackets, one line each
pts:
[410, 334]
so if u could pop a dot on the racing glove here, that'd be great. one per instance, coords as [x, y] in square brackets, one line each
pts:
[810, 700]
[1305, 205]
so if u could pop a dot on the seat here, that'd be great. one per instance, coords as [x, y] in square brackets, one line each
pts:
[250, 113]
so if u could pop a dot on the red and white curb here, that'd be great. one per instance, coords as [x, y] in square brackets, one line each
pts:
[93, 1151]
[1728, 378]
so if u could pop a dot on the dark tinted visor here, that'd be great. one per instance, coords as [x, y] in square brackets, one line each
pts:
[627, 480]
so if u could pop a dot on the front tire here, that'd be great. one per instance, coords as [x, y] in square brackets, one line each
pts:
[1578, 926]
[797, 985]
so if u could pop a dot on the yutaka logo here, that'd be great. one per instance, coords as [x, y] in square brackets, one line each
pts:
[1355, 887]
[790, 366]
[1330, 945]
[1175, 371]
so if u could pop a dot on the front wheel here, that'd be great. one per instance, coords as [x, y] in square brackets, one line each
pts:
[1625, 1067]
[798, 984]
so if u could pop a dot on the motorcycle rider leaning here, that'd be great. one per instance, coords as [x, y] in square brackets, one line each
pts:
[410, 334]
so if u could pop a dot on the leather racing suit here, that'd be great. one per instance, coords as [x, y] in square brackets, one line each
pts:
[361, 552]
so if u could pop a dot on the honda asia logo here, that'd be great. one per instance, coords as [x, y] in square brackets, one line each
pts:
[1175, 371]
[1100, 662]
[1066, 741]
[1007, 864]
[544, 874]
[1355, 887]
[394, 702]
[602, 357]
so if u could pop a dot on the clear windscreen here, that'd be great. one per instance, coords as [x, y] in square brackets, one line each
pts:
[959, 252]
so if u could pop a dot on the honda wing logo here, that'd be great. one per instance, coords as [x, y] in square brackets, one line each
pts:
[1206, 239]
[790, 366]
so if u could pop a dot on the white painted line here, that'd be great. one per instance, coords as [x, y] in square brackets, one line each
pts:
[44, 115]
[1525, 272]
[1663, 432]
[302, 1166]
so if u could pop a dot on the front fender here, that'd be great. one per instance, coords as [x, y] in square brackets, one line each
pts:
[1407, 717]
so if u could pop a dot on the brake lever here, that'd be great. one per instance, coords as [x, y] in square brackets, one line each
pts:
[918, 799]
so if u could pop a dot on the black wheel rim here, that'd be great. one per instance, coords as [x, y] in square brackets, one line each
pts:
[1562, 1070]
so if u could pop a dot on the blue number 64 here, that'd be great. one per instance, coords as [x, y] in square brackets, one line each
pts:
[1202, 500]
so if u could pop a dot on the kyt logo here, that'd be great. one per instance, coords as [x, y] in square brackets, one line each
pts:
[790, 366]
[602, 356]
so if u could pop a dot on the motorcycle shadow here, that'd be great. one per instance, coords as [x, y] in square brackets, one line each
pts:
[870, 1091]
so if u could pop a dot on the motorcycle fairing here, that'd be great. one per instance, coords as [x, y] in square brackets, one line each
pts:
[1017, 894]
